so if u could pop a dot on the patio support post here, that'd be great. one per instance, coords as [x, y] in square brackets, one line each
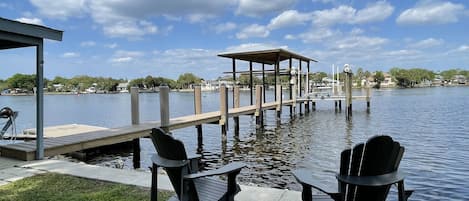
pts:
[250, 80]
[40, 100]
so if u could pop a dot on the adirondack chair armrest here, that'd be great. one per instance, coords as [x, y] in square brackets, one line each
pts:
[378, 180]
[232, 168]
[167, 163]
[305, 177]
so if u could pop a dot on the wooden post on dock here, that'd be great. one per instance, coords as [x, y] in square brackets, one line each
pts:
[348, 91]
[164, 107]
[198, 110]
[314, 105]
[278, 94]
[223, 111]
[368, 97]
[134, 108]
[259, 112]
[236, 104]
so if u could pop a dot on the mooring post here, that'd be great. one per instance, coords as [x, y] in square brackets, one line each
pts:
[134, 108]
[236, 105]
[314, 105]
[348, 91]
[368, 97]
[293, 91]
[223, 112]
[335, 105]
[164, 107]
[259, 112]
[340, 105]
[279, 96]
[198, 110]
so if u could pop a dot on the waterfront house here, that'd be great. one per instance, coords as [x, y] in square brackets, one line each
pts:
[123, 87]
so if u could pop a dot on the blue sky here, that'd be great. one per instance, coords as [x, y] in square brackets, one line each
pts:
[129, 39]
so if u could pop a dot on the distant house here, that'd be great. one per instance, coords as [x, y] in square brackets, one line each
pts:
[123, 87]
[459, 79]
[388, 82]
[58, 87]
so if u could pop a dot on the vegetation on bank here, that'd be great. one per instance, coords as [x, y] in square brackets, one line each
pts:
[51, 186]
[402, 77]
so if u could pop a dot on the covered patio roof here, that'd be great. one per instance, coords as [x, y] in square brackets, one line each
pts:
[14, 34]
[266, 56]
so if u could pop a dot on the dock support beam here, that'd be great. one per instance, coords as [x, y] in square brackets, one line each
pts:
[223, 112]
[368, 95]
[198, 110]
[134, 104]
[259, 111]
[164, 108]
[278, 93]
[348, 91]
[236, 104]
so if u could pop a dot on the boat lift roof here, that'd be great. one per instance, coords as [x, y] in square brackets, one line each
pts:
[271, 56]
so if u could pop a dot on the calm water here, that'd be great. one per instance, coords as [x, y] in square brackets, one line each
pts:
[432, 124]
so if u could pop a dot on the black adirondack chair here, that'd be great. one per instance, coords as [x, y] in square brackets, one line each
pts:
[366, 173]
[188, 183]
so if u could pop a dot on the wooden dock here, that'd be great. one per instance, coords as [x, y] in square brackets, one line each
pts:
[62, 144]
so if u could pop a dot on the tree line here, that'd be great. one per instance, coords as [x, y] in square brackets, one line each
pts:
[402, 77]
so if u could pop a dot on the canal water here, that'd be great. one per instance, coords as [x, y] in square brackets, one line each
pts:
[431, 123]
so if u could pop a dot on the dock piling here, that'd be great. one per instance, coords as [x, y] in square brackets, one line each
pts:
[348, 91]
[236, 104]
[223, 112]
[164, 107]
[135, 111]
[368, 95]
[278, 95]
[198, 110]
[259, 112]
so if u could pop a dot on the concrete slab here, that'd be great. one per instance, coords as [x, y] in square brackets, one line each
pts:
[251, 193]
[131, 177]
[8, 162]
[289, 195]
[61, 130]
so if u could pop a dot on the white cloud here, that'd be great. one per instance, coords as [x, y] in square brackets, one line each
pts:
[87, 43]
[3, 5]
[121, 59]
[289, 18]
[428, 12]
[70, 55]
[199, 17]
[317, 35]
[224, 27]
[463, 48]
[427, 43]
[253, 30]
[62, 9]
[254, 47]
[112, 45]
[347, 15]
[130, 29]
[378, 11]
[123, 56]
[256, 8]
[290, 37]
[359, 42]
[34, 20]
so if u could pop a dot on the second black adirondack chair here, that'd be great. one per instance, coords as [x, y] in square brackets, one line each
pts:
[366, 173]
[188, 183]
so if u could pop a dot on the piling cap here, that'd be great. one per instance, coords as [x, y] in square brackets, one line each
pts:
[347, 68]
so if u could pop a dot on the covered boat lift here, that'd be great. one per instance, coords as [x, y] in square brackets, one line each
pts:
[14, 34]
[270, 57]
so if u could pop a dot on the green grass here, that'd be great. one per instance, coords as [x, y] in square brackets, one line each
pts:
[51, 187]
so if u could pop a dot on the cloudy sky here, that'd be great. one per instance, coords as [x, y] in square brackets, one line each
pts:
[129, 39]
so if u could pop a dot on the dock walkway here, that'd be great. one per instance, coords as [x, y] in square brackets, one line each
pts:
[86, 140]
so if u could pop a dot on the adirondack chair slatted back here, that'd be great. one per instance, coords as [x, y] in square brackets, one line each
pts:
[173, 149]
[380, 155]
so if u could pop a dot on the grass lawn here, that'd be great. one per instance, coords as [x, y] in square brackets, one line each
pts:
[51, 187]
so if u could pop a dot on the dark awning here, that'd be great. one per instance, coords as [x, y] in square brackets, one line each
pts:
[266, 56]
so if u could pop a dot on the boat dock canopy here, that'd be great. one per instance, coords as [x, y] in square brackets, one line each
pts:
[14, 34]
[266, 56]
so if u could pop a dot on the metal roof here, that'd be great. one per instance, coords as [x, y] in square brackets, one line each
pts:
[266, 56]
[14, 34]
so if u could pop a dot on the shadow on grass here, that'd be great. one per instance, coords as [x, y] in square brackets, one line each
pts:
[52, 186]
